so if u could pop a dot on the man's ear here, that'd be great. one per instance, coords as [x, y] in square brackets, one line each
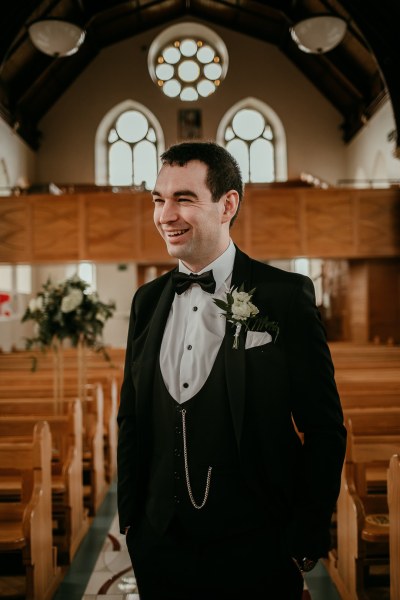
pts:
[231, 203]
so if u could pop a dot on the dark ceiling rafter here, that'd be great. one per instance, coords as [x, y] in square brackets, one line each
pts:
[355, 77]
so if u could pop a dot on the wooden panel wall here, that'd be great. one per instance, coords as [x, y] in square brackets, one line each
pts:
[374, 300]
[273, 223]
[15, 230]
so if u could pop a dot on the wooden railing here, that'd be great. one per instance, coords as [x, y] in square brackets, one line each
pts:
[281, 222]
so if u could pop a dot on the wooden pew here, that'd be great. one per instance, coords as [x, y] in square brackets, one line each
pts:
[22, 359]
[362, 522]
[92, 430]
[111, 431]
[368, 380]
[20, 383]
[25, 526]
[367, 375]
[93, 452]
[369, 421]
[394, 521]
[69, 515]
[347, 355]
[98, 370]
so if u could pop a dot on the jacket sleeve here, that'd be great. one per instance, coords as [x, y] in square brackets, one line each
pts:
[318, 415]
[127, 438]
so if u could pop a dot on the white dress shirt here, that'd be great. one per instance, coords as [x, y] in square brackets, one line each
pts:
[194, 331]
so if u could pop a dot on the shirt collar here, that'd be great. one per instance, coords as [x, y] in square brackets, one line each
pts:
[221, 267]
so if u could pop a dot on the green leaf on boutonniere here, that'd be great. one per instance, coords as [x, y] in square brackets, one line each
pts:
[241, 312]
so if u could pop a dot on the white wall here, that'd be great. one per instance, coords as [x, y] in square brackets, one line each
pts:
[369, 155]
[18, 168]
[119, 285]
[256, 69]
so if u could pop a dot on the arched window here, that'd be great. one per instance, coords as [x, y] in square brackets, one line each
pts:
[253, 133]
[129, 141]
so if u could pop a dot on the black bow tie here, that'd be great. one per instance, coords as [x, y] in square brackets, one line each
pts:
[182, 281]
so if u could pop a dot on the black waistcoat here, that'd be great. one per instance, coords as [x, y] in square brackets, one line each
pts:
[231, 506]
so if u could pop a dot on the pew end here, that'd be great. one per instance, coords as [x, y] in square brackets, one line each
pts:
[394, 520]
[25, 526]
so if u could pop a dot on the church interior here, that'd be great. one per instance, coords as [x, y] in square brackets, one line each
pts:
[305, 94]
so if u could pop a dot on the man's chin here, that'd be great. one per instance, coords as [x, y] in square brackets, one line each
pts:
[177, 251]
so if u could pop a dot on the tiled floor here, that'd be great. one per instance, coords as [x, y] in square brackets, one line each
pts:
[112, 576]
[102, 569]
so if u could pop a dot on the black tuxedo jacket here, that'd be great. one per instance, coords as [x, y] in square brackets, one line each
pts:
[270, 388]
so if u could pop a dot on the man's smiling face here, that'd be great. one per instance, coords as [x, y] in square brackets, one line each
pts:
[195, 229]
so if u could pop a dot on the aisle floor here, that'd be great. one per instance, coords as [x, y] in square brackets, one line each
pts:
[102, 570]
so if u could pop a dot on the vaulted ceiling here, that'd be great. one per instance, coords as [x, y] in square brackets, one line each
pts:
[355, 77]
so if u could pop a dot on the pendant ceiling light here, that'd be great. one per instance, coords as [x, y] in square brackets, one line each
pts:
[319, 34]
[56, 37]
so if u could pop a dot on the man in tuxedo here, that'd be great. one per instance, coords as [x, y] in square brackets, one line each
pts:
[231, 437]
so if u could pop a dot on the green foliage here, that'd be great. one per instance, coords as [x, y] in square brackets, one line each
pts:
[67, 311]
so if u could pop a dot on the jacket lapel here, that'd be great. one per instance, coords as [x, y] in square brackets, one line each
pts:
[151, 349]
[235, 366]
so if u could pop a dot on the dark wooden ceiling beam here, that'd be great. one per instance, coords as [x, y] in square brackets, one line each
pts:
[348, 76]
[379, 25]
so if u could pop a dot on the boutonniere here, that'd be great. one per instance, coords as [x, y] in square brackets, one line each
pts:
[241, 312]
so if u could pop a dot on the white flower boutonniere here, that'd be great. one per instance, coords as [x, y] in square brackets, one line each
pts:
[241, 312]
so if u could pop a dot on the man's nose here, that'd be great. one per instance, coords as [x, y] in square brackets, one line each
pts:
[169, 212]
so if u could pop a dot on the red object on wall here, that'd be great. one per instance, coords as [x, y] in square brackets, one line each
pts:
[4, 305]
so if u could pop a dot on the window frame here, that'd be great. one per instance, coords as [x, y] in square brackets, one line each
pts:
[102, 144]
[272, 119]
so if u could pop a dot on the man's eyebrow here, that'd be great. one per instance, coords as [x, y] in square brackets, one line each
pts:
[177, 194]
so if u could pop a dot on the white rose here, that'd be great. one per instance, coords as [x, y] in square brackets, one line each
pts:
[72, 301]
[35, 304]
[100, 317]
[241, 296]
[243, 310]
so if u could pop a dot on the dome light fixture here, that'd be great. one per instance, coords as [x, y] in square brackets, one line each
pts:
[319, 34]
[188, 61]
[56, 37]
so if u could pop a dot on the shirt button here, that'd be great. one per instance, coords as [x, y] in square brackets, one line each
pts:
[185, 385]
[195, 308]
[189, 347]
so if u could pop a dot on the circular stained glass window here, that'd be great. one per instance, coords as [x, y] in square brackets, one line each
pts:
[188, 47]
[205, 87]
[189, 70]
[171, 55]
[164, 71]
[248, 124]
[172, 88]
[132, 126]
[190, 66]
[189, 94]
[205, 54]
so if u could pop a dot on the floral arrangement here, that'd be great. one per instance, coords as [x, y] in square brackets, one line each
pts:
[67, 310]
[241, 312]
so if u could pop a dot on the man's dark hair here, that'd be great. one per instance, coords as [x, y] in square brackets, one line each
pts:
[223, 172]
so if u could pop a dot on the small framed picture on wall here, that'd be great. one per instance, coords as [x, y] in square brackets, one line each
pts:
[189, 124]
